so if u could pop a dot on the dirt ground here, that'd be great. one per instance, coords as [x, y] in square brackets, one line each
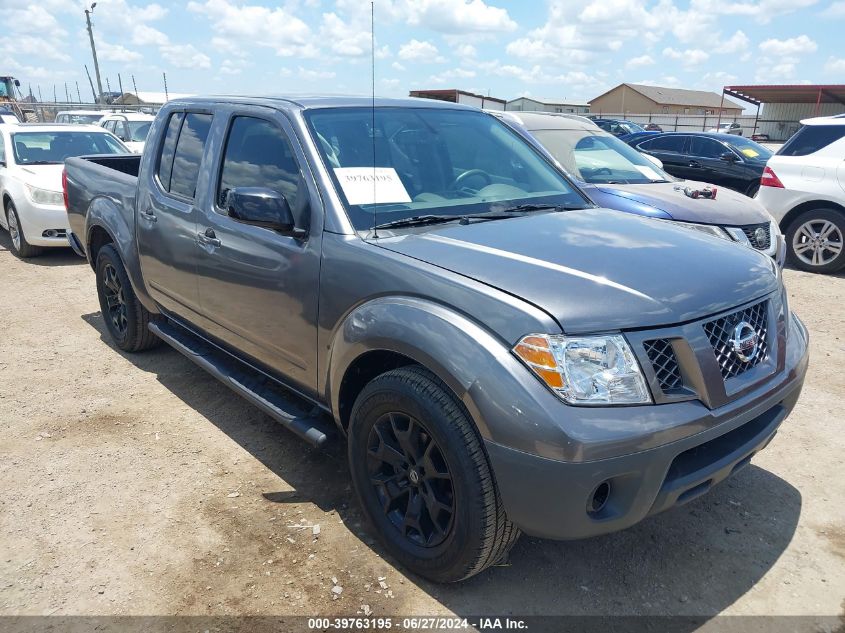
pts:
[138, 485]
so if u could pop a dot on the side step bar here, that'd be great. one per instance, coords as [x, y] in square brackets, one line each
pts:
[309, 422]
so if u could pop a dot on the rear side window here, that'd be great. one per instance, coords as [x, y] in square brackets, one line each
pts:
[188, 154]
[704, 147]
[811, 138]
[165, 159]
[258, 154]
[663, 143]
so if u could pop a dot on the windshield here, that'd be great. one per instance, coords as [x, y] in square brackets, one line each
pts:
[750, 149]
[79, 118]
[48, 148]
[599, 158]
[448, 162]
[138, 130]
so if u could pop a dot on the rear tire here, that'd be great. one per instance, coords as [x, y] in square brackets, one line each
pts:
[815, 241]
[408, 437]
[20, 247]
[125, 318]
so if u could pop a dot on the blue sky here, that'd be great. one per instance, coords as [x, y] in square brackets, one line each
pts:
[556, 50]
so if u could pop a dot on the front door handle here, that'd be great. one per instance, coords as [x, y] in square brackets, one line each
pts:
[149, 215]
[694, 163]
[208, 237]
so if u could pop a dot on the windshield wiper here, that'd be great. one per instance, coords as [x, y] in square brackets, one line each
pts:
[422, 220]
[528, 208]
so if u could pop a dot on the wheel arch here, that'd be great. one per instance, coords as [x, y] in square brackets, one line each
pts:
[392, 332]
[797, 210]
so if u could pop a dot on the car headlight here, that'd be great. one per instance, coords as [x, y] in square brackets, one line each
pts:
[44, 196]
[709, 229]
[586, 370]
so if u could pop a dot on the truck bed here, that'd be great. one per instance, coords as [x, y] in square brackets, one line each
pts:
[97, 182]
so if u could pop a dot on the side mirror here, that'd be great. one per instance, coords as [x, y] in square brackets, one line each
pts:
[657, 162]
[262, 207]
[729, 157]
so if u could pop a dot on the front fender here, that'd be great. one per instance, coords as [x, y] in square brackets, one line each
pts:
[459, 351]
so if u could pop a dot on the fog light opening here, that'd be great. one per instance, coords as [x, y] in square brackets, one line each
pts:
[49, 233]
[598, 500]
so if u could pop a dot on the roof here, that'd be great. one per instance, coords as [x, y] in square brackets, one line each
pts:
[679, 97]
[829, 93]
[100, 112]
[327, 101]
[451, 92]
[129, 116]
[825, 120]
[562, 102]
[550, 121]
[51, 127]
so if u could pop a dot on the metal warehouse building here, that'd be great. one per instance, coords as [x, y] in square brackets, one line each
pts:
[780, 108]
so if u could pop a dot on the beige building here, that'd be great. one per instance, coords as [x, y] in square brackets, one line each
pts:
[639, 99]
[527, 104]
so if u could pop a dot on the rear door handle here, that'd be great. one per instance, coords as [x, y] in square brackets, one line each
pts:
[209, 237]
[147, 215]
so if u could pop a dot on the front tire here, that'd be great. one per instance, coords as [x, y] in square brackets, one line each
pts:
[815, 241]
[20, 247]
[126, 319]
[423, 479]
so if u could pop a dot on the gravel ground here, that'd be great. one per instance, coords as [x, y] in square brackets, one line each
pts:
[138, 485]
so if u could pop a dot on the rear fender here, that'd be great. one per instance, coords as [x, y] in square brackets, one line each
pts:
[104, 214]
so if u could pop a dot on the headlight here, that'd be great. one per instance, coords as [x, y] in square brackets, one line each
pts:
[586, 370]
[43, 196]
[709, 229]
[738, 235]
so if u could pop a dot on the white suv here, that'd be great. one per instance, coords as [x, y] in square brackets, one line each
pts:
[130, 127]
[803, 187]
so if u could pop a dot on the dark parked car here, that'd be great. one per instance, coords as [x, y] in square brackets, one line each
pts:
[618, 127]
[617, 176]
[720, 159]
[501, 355]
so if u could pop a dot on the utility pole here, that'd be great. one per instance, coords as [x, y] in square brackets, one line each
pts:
[88, 13]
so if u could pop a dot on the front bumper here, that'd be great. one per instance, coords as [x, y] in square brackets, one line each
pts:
[557, 499]
[36, 219]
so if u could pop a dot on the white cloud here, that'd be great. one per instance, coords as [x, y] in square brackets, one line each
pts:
[397, 66]
[32, 46]
[835, 10]
[33, 18]
[276, 28]
[688, 58]
[144, 35]
[638, 62]
[448, 76]
[456, 16]
[466, 50]
[348, 38]
[736, 43]
[417, 50]
[789, 47]
[117, 53]
[315, 75]
[185, 56]
[775, 72]
[835, 65]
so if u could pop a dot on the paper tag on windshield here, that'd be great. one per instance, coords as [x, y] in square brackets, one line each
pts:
[648, 172]
[365, 185]
[749, 152]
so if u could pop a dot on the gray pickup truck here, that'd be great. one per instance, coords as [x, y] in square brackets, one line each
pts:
[500, 355]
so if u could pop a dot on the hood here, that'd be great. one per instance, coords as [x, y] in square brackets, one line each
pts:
[42, 176]
[729, 207]
[596, 270]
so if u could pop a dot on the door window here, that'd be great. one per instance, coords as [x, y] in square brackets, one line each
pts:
[258, 154]
[704, 147]
[664, 143]
[181, 152]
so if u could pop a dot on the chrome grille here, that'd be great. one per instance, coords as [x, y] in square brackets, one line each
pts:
[662, 357]
[720, 332]
[764, 241]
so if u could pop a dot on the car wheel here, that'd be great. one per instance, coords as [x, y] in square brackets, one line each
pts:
[20, 246]
[423, 479]
[815, 241]
[126, 319]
